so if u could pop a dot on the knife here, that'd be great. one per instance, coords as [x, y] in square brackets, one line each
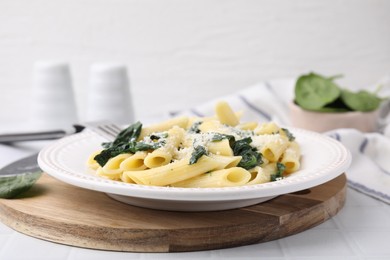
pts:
[19, 176]
[41, 135]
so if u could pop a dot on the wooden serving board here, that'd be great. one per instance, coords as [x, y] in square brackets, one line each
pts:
[58, 212]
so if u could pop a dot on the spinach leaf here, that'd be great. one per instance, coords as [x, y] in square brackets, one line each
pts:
[106, 144]
[321, 94]
[280, 167]
[129, 134]
[241, 146]
[103, 157]
[155, 137]
[363, 101]
[289, 135]
[217, 137]
[313, 91]
[250, 159]
[198, 152]
[125, 142]
[249, 154]
[194, 129]
[336, 106]
[142, 146]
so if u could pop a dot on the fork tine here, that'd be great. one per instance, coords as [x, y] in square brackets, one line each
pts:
[108, 130]
[105, 129]
[116, 128]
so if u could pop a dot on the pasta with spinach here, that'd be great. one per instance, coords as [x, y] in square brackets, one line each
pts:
[200, 152]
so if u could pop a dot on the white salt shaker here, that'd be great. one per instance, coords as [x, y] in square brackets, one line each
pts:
[53, 104]
[109, 94]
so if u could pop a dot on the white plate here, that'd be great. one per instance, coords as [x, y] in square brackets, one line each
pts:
[323, 159]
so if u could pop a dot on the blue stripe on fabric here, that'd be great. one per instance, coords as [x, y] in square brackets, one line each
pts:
[336, 136]
[256, 109]
[383, 170]
[173, 113]
[373, 192]
[281, 102]
[271, 89]
[362, 149]
[363, 145]
[192, 111]
[196, 113]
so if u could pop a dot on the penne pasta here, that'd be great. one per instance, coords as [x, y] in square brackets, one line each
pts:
[164, 126]
[235, 176]
[157, 158]
[210, 126]
[263, 174]
[226, 161]
[225, 114]
[91, 162]
[220, 147]
[248, 126]
[174, 172]
[215, 151]
[113, 175]
[272, 146]
[291, 157]
[134, 162]
[113, 165]
[267, 128]
[164, 155]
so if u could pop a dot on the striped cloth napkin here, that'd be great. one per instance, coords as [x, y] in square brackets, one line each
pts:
[268, 101]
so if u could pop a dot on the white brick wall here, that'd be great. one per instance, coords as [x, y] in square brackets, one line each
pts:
[177, 50]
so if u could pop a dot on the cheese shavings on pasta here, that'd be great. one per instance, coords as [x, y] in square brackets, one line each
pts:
[216, 151]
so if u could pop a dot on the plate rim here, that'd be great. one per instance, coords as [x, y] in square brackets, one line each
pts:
[245, 192]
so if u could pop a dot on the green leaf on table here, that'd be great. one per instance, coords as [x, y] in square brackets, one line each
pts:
[362, 101]
[313, 91]
[11, 186]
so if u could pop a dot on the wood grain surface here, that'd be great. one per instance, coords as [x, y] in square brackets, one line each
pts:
[58, 212]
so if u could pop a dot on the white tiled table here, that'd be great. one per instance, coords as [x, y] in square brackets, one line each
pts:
[361, 230]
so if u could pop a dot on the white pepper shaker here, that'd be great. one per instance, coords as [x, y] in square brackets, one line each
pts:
[53, 104]
[109, 94]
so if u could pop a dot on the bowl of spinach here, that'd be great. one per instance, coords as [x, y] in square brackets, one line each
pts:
[320, 104]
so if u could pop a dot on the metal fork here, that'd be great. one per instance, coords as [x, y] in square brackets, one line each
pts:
[105, 129]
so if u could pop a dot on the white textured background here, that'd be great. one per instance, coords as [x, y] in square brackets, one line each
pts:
[176, 50]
